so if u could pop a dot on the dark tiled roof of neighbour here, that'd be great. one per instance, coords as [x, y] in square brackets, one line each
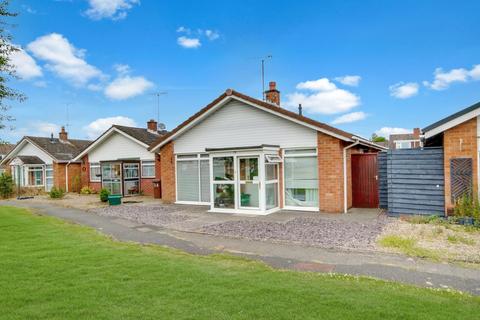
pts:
[451, 117]
[6, 148]
[31, 160]
[141, 134]
[263, 104]
[60, 150]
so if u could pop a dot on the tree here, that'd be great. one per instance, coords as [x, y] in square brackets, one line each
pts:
[7, 70]
[376, 138]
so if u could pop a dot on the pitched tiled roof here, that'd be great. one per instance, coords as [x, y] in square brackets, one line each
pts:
[266, 105]
[31, 160]
[141, 134]
[6, 148]
[60, 150]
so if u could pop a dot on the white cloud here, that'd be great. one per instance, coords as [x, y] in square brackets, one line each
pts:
[109, 9]
[41, 128]
[40, 84]
[64, 59]
[387, 131]
[324, 98]
[212, 35]
[475, 72]
[404, 90]
[47, 128]
[350, 117]
[184, 29]
[188, 43]
[99, 126]
[25, 66]
[349, 80]
[443, 79]
[122, 69]
[125, 87]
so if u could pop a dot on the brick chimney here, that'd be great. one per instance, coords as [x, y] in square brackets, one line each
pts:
[272, 95]
[63, 135]
[416, 133]
[152, 125]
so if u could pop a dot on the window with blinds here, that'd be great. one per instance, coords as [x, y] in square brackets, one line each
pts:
[193, 178]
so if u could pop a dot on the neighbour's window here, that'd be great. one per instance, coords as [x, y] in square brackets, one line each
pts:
[148, 169]
[95, 174]
[35, 176]
[403, 145]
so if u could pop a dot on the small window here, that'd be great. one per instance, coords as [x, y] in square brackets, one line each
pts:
[273, 158]
[148, 169]
[403, 144]
[95, 174]
[186, 156]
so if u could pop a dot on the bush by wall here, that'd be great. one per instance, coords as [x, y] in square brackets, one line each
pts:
[6, 185]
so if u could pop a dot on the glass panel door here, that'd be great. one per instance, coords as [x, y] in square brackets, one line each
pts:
[112, 177]
[131, 178]
[271, 185]
[249, 182]
[223, 182]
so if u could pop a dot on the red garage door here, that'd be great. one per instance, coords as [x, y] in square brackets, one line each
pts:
[364, 180]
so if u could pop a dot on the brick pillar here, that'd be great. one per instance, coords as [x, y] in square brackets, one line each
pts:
[460, 142]
[167, 172]
[330, 173]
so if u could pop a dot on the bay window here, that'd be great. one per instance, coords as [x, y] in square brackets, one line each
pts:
[35, 176]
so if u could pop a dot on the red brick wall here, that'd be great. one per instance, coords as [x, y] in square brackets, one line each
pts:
[167, 172]
[330, 173]
[146, 185]
[460, 142]
[59, 176]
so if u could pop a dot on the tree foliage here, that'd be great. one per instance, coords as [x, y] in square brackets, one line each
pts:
[376, 138]
[7, 70]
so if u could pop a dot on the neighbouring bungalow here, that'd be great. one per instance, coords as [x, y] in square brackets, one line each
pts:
[119, 160]
[458, 134]
[42, 162]
[5, 148]
[242, 155]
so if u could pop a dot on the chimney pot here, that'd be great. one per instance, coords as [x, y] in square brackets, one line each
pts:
[300, 109]
[63, 135]
[152, 125]
[416, 133]
[272, 95]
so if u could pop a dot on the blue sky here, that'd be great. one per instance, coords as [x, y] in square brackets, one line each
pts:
[408, 63]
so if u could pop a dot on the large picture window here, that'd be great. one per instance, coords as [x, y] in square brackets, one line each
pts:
[301, 178]
[193, 178]
[35, 176]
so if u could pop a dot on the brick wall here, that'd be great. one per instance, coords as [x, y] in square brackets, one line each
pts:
[146, 185]
[167, 172]
[59, 176]
[460, 142]
[330, 173]
[85, 172]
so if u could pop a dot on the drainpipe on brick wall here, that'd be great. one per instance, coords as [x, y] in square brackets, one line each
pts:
[345, 189]
[66, 176]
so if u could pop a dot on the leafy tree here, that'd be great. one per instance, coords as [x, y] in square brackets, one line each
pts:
[7, 70]
[6, 185]
[376, 138]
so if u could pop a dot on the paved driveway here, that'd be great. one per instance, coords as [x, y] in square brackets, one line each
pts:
[356, 230]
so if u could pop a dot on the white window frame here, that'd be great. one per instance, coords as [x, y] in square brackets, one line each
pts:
[95, 178]
[192, 157]
[399, 142]
[298, 155]
[35, 168]
[49, 168]
[144, 164]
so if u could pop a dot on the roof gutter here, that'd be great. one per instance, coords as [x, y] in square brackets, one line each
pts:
[345, 189]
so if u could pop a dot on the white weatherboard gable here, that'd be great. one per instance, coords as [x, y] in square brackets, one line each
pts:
[117, 146]
[29, 149]
[452, 123]
[237, 124]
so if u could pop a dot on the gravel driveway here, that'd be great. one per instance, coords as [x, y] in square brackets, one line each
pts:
[322, 232]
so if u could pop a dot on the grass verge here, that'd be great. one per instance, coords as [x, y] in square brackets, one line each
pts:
[55, 270]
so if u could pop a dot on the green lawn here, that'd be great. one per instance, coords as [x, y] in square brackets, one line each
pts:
[50, 269]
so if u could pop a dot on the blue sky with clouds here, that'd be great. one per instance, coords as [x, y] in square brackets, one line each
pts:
[360, 65]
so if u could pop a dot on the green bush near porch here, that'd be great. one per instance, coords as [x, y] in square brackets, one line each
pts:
[52, 269]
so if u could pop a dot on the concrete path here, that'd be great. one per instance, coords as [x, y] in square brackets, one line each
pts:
[383, 266]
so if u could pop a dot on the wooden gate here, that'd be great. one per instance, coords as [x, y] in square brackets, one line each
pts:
[364, 180]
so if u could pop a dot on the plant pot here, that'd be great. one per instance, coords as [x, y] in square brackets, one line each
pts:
[468, 221]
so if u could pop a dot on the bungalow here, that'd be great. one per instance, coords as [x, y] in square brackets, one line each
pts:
[42, 162]
[458, 134]
[119, 160]
[242, 155]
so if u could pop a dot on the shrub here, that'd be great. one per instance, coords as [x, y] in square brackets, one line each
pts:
[6, 185]
[56, 193]
[104, 193]
[87, 190]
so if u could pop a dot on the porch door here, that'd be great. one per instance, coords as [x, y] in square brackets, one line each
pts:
[131, 179]
[249, 183]
[112, 177]
[364, 180]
